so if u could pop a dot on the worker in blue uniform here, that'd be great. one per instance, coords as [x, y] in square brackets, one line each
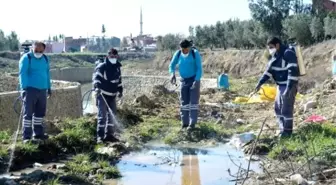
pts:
[284, 69]
[108, 85]
[35, 85]
[190, 70]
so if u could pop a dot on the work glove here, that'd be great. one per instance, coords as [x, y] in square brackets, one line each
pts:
[120, 95]
[121, 99]
[195, 83]
[173, 79]
[49, 93]
[23, 93]
[96, 92]
[256, 90]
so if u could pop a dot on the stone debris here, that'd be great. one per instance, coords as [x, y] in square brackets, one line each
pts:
[240, 121]
[144, 102]
[312, 104]
[37, 165]
[298, 179]
[241, 139]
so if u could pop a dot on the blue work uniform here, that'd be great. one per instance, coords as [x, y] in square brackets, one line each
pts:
[34, 77]
[107, 78]
[190, 69]
[284, 69]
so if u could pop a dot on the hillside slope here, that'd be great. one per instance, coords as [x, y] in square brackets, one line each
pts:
[249, 63]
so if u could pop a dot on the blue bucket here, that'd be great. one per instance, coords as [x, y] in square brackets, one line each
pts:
[223, 81]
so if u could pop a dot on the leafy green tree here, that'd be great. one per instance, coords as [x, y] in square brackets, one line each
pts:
[270, 14]
[220, 31]
[316, 29]
[298, 27]
[328, 27]
[103, 30]
[124, 42]
[13, 41]
[3, 41]
[191, 33]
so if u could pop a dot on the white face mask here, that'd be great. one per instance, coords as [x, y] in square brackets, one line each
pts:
[272, 51]
[38, 55]
[184, 55]
[113, 60]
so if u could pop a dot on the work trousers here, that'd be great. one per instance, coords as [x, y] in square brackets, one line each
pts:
[189, 102]
[106, 121]
[35, 105]
[284, 109]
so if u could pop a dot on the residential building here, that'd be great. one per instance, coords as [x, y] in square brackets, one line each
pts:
[328, 5]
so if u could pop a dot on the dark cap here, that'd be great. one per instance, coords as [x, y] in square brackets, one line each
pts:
[40, 43]
[113, 51]
[274, 41]
[185, 43]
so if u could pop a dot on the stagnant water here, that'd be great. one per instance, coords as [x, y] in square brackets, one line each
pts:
[164, 165]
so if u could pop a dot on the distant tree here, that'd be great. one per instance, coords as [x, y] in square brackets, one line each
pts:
[49, 38]
[328, 27]
[103, 46]
[3, 41]
[13, 41]
[103, 30]
[220, 31]
[316, 29]
[270, 14]
[170, 42]
[124, 42]
[333, 28]
[191, 33]
[159, 43]
[298, 27]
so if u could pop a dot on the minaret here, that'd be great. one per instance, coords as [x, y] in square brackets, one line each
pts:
[141, 21]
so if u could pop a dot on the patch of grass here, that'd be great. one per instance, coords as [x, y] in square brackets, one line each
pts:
[3, 151]
[246, 128]
[309, 140]
[152, 128]
[27, 148]
[203, 131]
[77, 135]
[111, 172]
[169, 130]
[79, 165]
[5, 137]
[53, 182]
[82, 164]
[247, 85]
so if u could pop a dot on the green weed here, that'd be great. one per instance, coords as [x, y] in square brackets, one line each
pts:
[309, 140]
[5, 137]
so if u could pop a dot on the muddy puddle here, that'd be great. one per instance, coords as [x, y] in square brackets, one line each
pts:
[164, 165]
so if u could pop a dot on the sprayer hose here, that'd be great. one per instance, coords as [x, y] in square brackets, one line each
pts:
[88, 94]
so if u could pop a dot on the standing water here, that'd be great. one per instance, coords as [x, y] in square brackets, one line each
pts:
[163, 165]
